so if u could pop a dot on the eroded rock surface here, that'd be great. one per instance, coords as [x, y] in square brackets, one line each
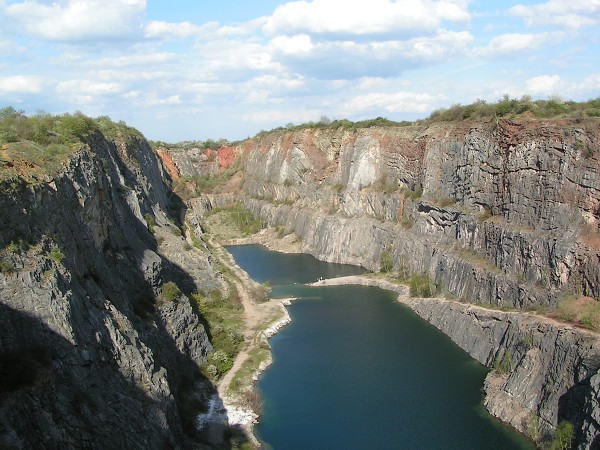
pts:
[89, 355]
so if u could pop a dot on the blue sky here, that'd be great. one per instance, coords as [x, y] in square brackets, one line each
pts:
[185, 69]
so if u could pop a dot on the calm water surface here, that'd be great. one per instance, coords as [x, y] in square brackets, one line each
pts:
[357, 370]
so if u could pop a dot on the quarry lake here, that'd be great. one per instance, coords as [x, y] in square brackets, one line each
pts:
[357, 370]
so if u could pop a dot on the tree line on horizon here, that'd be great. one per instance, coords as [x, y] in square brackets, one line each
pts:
[64, 129]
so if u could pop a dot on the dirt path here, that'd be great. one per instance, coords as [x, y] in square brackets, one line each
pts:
[258, 317]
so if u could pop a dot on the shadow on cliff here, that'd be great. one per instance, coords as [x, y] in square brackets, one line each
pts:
[58, 394]
[572, 407]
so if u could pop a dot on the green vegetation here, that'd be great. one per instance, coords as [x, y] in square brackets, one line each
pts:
[150, 224]
[563, 437]
[224, 316]
[344, 124]
[506, 107]
[386, 263]
[582, 311]
[504, 364]
[170, 291]
[56, 255]
[533, 427]
[421, 285]
[116, 130]
[554, 107]
[233, 222]
[189, 145]
[40, 144]
[413, 195]
[527, 341]
[43, 128]
[262, 292]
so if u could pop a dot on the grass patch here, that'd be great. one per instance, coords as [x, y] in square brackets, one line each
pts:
[232, 222]
[38, 145]
[386, 263]
[476, 259]
[581, 311]
[422, 285]
[243, 377]
[150, 224]
[224, 315]
[56, 255]
[415, 194]
[169, 291]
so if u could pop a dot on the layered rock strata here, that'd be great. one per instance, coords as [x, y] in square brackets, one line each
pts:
[543, 372]
[89, 354]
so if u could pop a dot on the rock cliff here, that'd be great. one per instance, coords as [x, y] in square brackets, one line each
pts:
[544, 372]
[505, 213]
[90, 355]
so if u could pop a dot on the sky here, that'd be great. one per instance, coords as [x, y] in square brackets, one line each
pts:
[196, 69]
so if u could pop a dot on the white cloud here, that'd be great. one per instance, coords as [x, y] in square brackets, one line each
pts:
[75, 20]
[273, 116]
[591, 84]
[269, 88]
[564, 13]
[141, 59]
[176, 30]
[511, 43]
[545, 85]
[86, 91]
[390, 102]
[348, 59]
[355, 18]
[20, 84]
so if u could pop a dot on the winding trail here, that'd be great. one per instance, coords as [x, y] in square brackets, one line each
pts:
[258, 317]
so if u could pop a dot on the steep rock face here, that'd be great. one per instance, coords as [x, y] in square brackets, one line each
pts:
[191, 162]
[539, 365]
[520, 200]
[88, 357]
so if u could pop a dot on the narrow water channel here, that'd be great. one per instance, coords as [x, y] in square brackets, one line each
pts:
[357, 370]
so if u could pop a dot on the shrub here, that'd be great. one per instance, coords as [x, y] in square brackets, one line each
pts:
[422, 286]
[170, 291]
[386, 264]
[504, 364]
[56, 255]
[150, 224]
[6, 267]
[563, 436]
[414, 195]
[262, 292]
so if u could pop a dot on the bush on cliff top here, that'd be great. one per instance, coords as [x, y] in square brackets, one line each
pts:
[506, 106]
[41, 143]
[554, 107]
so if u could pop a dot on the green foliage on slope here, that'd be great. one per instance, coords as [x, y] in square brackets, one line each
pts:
[40, 144]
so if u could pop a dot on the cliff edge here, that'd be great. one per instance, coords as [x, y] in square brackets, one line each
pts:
[92, 353]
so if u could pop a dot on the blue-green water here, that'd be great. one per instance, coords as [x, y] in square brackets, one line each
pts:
[357, 370]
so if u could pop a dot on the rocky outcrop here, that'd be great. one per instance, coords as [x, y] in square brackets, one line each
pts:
[90, 356]
[190, 162]
[543, 372]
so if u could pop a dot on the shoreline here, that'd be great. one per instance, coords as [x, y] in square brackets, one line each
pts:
[261, 321]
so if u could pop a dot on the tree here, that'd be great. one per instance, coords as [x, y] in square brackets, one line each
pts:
[324, 120]
[386, 263]
[563, 436]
